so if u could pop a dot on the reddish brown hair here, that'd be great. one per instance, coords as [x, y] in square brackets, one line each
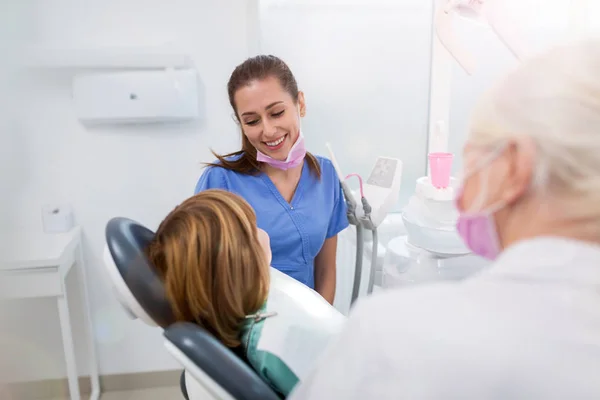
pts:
[258, 68]
[215, 271]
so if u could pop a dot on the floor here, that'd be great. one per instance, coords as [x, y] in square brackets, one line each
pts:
[164, 393]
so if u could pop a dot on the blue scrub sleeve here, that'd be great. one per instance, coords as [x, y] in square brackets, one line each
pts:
[212, 178]
[339, 218]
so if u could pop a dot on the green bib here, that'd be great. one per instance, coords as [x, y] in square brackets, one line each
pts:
[268, 366]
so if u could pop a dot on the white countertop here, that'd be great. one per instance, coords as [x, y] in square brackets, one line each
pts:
[35, 249]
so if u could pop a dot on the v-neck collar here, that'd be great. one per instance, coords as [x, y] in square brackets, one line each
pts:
[297, 193]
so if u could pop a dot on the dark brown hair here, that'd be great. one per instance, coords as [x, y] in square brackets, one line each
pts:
[258, 68]
[209, 256]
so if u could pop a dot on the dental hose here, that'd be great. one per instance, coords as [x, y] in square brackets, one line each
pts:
[360, 237]
[359, 260]
[373, 261]
[351, 203]
[367, 209]
[353, 220]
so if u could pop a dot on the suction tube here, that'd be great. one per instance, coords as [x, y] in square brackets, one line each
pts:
[373, 261]
[354, 220]
[359, 260]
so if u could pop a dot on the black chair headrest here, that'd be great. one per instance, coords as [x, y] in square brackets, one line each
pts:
[126, 241]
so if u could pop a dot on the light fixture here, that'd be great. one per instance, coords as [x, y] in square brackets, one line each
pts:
[479, 11]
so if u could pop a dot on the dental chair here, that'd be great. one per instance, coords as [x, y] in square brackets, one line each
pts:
[212, 371]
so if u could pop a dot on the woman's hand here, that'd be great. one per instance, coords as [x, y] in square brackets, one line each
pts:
[325, 269]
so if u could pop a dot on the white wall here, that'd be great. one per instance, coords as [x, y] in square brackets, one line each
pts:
[542, 23]
[364, 66]
[134, 172]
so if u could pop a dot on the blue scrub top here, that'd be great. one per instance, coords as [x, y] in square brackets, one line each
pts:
[298, 229]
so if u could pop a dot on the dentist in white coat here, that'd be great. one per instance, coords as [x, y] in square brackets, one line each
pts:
[529, 326]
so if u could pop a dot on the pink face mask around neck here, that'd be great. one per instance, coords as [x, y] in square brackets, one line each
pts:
[295, 156]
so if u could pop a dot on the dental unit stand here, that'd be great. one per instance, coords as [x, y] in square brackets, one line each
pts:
[378, 196]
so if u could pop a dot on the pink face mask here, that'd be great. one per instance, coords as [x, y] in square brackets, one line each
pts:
[295, 156]
[478, 232]
[478, 229]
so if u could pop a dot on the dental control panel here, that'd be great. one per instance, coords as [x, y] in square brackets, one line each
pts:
[381, 189]
[384, 172]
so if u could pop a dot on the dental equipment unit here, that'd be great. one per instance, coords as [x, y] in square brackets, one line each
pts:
[431, 249]
[481, 11]
[378, 195]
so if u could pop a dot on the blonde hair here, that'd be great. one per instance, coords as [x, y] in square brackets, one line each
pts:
[215, 271]
[554, 100]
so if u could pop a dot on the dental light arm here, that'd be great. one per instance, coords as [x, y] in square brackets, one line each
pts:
[445, 34]
[480, 11]
[377, 197]
[509, 37]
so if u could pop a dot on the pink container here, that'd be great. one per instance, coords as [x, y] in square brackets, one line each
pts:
[440, 165]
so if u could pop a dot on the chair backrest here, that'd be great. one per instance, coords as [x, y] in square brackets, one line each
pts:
[228, 376]
[214, 367]
[134, 278]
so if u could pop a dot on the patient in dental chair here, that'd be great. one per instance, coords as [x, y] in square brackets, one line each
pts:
[215, 261]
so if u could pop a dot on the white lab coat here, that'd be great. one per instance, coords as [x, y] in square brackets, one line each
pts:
[526, 328]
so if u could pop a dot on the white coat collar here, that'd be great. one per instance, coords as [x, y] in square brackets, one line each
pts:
[550, 259]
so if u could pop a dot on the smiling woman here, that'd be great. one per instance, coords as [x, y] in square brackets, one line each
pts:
[297, 196]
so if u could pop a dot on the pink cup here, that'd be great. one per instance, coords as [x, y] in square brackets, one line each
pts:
[440, 165]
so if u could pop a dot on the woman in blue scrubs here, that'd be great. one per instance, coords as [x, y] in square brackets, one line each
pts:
[297, 196]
